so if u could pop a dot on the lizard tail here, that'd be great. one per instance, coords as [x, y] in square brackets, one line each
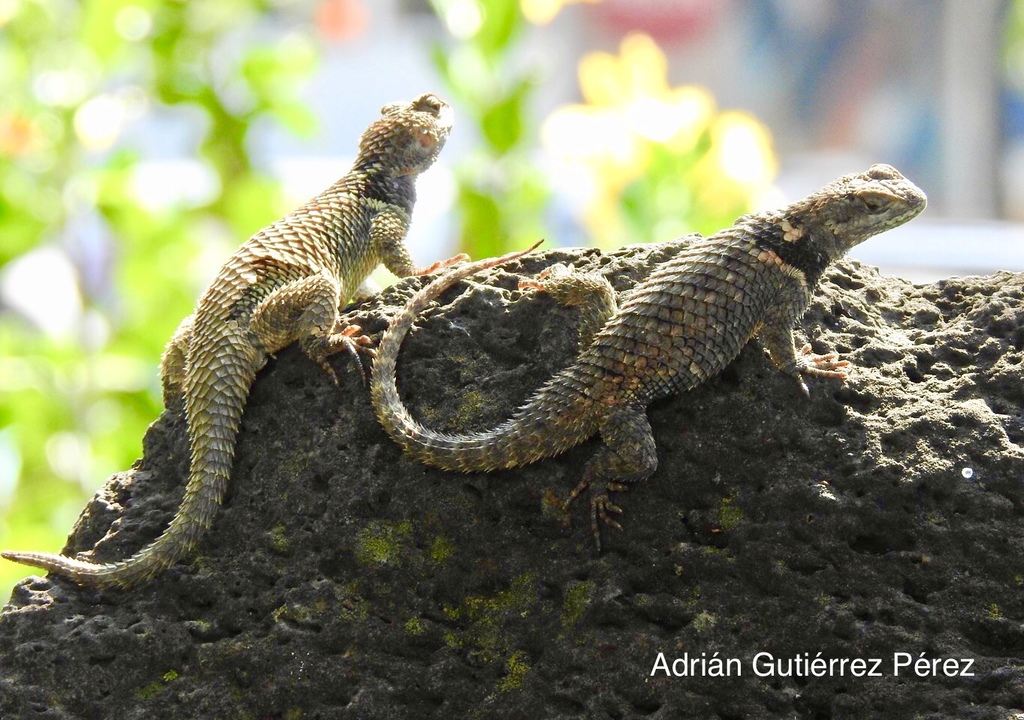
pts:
[213, 415]
[528, 436]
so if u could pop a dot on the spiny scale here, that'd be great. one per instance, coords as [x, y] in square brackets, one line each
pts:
[680, 326]
[285, 284]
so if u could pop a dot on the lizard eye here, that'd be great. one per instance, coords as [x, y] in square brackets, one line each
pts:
[429, 103]
[874, 203]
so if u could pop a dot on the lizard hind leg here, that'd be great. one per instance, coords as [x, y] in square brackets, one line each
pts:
[307, 310]
[628, 455]
[172, 363]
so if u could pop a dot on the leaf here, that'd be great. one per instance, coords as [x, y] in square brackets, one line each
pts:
[503, 122]
[251, 202]
[501, 23]
[481, 228]
[295, 117]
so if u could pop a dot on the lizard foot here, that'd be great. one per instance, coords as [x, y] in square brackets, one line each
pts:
[821, 365]
[602, 509]
[551, 272]
[348, 340]
[440, 264]
[826, 366]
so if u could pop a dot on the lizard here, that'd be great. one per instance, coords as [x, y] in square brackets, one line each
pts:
[681, 325]
[286, 283]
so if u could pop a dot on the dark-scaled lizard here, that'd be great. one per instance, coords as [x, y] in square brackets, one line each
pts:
[683, 324]
[286, 283]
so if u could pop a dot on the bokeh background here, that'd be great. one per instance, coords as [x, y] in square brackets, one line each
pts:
[142, 140]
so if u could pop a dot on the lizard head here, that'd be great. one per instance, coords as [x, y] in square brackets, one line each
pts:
[848, 211]
[407, 137]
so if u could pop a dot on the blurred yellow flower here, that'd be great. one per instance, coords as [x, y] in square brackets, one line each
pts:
[628, 105]
[639, 70]
[696, 165]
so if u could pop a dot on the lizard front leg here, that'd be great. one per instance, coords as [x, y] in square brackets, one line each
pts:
[590, 292]
[628, 455]
[387, 233]
[306, 310]
[777, 339]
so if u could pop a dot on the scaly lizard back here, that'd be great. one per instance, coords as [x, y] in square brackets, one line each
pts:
[286, 283]
[682, 325]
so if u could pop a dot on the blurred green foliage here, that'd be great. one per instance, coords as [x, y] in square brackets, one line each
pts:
[1013, 47]
[502, 194]
[74, 74]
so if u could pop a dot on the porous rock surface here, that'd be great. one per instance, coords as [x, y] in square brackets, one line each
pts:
[880, 520]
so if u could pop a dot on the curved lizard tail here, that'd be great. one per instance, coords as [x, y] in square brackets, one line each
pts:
[526, 437]
[214, 417]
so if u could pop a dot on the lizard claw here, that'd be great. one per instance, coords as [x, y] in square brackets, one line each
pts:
[440, 264]
[804, 390]
[576, 492]
[350, 332]
[329, 371]
[357, 343]
[537, 283]
[823, 365]
[826, 366]
[347, 340]
[605, 508]
[602, 509]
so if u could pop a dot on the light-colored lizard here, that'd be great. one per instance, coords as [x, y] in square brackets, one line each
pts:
[286, 283]
[682, 325]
